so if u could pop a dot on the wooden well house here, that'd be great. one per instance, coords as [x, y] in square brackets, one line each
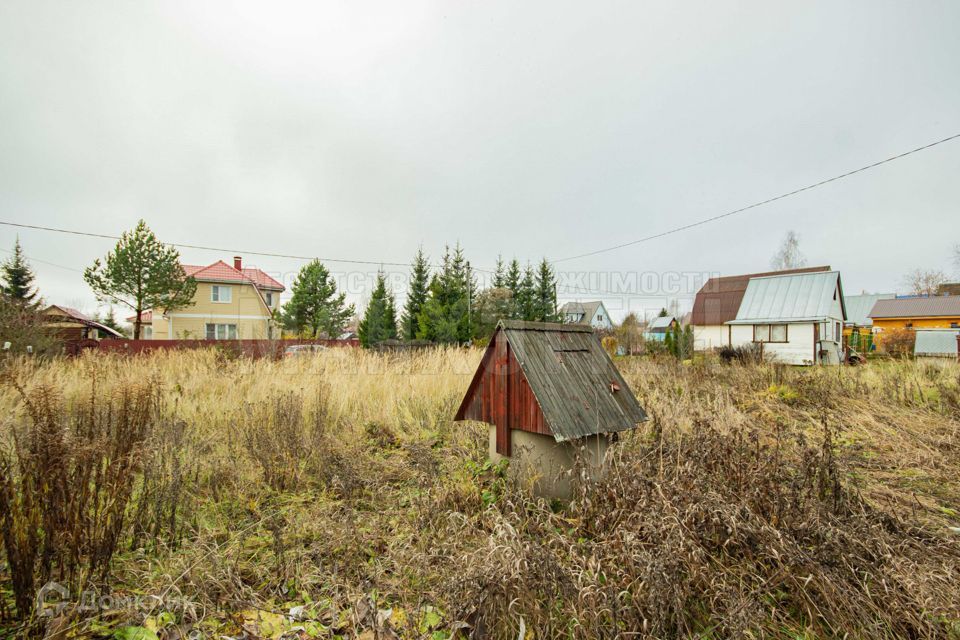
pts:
[549, 393]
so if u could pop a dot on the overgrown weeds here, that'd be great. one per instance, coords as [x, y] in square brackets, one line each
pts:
[333, 496]
[66, 477]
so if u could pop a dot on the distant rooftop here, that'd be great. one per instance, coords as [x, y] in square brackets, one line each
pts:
[858, 307]
[916, 307]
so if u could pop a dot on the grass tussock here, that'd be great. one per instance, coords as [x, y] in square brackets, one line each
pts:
[332, 496]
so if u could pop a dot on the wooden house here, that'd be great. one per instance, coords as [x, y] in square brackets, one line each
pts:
[916, 312]
[549, 392]
[794, 319]
[717, 303]
[659, 327]
[594, 314]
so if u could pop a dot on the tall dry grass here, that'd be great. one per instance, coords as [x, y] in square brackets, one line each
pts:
[759, 500]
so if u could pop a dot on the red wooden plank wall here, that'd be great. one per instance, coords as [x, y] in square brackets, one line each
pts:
[503, 397]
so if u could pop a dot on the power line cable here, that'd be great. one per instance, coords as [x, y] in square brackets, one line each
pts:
[381, 263]
[205, 248]
[761, 203]
[90, 234]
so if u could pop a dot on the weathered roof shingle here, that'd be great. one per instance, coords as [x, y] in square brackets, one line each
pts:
[571, 376]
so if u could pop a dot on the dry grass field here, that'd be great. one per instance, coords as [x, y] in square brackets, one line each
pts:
[195, 495]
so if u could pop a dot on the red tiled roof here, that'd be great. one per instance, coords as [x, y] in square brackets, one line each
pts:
[917, 307]
[146, 317]
[220, 271]
[719, 299]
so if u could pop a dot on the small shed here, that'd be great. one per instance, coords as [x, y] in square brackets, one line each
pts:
[937, 343]
[548, 391]
[72, 325]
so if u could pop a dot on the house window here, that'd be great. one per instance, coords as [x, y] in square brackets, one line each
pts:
[268, 297]
[778, 333]
[955, 325]
[148, 333]
[769, 333]
[220, 293]
[837, 332]
[221, 331]
[599, 317]
[909, 325]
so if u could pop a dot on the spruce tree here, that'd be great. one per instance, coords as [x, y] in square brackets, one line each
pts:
[434, 322]
[416, 296]
[445, 316]
[512, 282]
[18, 279]
[499, 277]
[464, 293]
[545, 304]
[527, 294]
[380, 319]
[108, 319]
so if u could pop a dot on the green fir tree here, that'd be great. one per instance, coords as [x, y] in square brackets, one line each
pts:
[445, 317]
[18, 279]
[379, 322]
[416, 296]
[499, 274]
[545, 298]
[526, 296]
[512, 282]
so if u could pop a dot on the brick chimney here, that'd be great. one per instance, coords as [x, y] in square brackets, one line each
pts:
[237, 263]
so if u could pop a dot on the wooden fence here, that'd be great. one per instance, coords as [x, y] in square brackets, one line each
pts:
[248, 348]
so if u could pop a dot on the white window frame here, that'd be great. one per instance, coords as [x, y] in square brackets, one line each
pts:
[268, 298]
[217, 291]
[221, 331]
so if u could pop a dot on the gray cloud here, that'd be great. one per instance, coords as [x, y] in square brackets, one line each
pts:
[364, 130]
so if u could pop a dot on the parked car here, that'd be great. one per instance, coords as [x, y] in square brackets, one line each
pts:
[303, 350]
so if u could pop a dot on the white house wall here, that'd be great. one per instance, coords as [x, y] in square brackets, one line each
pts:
[741, 334]
[601, 320]
[709, 337]
[798, 349]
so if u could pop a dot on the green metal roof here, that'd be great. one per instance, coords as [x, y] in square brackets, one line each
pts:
[798, 297]
[859, 306]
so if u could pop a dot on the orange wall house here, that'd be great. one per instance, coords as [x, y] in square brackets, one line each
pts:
[934, 312]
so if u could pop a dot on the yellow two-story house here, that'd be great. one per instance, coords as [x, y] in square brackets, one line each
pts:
[231, 303]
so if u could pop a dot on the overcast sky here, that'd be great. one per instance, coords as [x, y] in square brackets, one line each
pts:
[363, 130]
